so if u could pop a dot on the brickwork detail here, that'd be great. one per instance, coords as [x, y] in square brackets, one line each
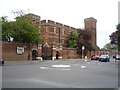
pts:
[55, 34]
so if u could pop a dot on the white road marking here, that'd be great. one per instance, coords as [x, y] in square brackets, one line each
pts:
[43, 68]
[89, 62]
[63, 69]
[83, 67]
[61, 66]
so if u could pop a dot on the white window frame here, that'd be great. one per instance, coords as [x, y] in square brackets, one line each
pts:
[63, 41]
[54, 29]
[54, 40]
[46, 29]
[63, 32]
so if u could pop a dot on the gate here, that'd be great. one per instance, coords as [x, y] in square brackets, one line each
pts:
[46, 52]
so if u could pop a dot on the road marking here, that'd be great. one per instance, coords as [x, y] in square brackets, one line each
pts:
[63, 69]
[89, 62]
[61, 66]
[43, 68]
[83, 67]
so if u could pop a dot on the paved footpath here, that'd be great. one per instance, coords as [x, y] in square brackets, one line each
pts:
[29, 61]
[39, 61]
[22, 62]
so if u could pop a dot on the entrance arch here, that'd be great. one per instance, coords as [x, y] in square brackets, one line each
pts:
[47, 52]
[57, 54]
[34, 54]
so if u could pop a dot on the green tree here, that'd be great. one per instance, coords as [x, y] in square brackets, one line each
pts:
[110, 46]
[0, 29]
[22, 30]
[72, 40]
[84, 40]
[118, 34]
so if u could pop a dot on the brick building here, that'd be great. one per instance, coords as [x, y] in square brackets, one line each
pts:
[55, 36]
[90, 25]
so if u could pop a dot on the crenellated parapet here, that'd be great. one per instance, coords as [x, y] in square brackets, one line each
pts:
[57, 24]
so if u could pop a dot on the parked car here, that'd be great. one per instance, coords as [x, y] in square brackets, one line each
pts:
[1, 61]
[95, 57]
[104, 58]
[114, 56]
[117, 57]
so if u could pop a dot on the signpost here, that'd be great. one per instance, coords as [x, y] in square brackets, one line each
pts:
[83, 51]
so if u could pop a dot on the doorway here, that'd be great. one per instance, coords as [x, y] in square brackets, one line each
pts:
[34, 54]
[57, 54]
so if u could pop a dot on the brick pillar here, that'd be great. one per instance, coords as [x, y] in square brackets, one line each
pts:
[60, 51]
[39, 50]
[53, 52]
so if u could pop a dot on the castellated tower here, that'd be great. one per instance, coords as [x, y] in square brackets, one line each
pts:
[90, 25]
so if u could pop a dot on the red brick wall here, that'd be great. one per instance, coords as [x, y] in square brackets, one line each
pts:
[9, 51]
[69, 53]
[101, 52]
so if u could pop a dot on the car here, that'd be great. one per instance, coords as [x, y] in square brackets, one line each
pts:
[114, 56]
[95, 57]
[1, 61]
[117, 57]
[104, 58]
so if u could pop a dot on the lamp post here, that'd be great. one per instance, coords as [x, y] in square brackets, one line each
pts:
[83, 51]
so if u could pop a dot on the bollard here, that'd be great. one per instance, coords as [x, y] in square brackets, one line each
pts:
[86, 58]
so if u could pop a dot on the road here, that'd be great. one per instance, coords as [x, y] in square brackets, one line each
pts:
[61, 74]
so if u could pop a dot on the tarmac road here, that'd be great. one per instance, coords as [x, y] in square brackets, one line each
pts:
[61, 74]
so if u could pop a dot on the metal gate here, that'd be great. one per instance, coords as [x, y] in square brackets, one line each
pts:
[46, 52]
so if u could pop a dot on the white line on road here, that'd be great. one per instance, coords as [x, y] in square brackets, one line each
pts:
[61, 66]
[43, 68]
[63, 69]
[83, 67]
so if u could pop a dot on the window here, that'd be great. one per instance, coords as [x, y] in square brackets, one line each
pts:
[63, 41]
[54, 40]
[54, 29]
[33, 17]
[46, 29]
[63, 31]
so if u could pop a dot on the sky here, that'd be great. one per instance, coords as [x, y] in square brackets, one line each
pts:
[70, 12]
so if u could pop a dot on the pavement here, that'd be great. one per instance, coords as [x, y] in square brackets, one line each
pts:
[30, 61]
[22, 62]
[39, 61]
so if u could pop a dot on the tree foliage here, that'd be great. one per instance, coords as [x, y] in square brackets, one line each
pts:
[118, 34]
[72, 40]
[22, 30]
[79, 39]
[84, 40]
[115, 37]
[110, 46]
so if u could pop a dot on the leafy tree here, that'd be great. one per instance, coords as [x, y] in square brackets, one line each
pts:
[118, 33]
[84, 40]
[0, 29]
[72, 40]
[79, 39]
[110, 46]
[22, 30]
[115, 37]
